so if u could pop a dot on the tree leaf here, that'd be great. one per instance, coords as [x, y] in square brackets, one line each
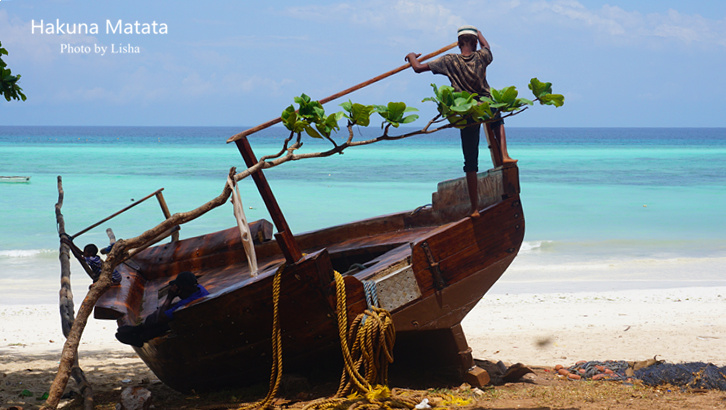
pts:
[507, 95]
[539, 88]
[289, 117]
[312, 132]
[409, 118]
[558, 100]
[396, 110]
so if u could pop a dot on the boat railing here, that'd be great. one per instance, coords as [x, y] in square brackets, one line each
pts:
[162, 203]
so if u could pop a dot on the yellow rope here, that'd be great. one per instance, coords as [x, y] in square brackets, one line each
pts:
[371, 337]
[276, 371]
[367, 345]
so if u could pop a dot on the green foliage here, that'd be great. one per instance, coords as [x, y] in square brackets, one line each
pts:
[393, 114]
[358, 114]
[310, 113]
[459, 108]
[9, 83]
[543, 92]
[463, 108]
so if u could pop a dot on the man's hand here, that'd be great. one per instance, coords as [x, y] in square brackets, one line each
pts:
[411, 55]
[415, 64]
[173, 291]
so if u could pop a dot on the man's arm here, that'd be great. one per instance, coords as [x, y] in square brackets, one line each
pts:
[482, 41]
[166, 304]
[417, 66]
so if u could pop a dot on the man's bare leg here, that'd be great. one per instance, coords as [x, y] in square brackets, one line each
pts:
[472, 186]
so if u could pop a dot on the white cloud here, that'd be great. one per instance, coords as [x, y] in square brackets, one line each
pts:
[633, 26]
[441, 17]
[235, 84]
[423, 15]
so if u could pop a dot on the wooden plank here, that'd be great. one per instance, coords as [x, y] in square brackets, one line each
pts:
[472, 242]
[228, 338]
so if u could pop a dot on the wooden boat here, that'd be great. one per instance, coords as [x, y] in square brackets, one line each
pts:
[14, 178]
[429, 266]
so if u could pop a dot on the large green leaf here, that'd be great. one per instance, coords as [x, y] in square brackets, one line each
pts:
[358, 114]
[539, 88]
[289, 117]
[312, 132]
[558, 100]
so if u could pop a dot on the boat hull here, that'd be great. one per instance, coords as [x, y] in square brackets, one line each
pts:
[430, 267]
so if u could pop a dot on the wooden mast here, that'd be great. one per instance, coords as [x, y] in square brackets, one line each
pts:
[284, 237]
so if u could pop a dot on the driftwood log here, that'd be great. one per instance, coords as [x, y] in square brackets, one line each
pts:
[122, 250]
[66, 302]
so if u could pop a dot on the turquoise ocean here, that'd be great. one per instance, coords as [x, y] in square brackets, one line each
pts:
[605, 208]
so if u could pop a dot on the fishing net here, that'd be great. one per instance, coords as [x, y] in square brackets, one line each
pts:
[693, 375]
[696, 375]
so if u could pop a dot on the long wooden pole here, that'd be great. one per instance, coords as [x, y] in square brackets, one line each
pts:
[117, 213]
[344, 92]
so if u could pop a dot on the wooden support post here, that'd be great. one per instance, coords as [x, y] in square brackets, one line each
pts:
[167, 214]
[285, 239]
[471, 373]
[494, 145]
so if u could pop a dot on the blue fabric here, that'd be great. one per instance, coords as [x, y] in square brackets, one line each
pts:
[200, 293]
[95, 263]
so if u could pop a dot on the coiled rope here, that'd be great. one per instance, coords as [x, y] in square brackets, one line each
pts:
[371, 349]
[371, 338]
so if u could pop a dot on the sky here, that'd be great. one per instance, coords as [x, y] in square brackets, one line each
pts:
[619, 63]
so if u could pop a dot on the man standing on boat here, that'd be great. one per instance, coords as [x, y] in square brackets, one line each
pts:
[468, 72]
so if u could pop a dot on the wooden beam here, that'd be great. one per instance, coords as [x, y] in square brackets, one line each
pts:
[344, 92]
[285, 239]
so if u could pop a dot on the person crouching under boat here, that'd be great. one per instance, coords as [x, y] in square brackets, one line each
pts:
[184, 287]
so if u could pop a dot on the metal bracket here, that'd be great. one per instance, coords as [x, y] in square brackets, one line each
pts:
[439, 282]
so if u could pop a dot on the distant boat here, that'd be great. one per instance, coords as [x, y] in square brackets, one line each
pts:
[14, 178]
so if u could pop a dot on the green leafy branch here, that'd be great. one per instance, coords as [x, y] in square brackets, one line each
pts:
[462, 109]
[9, 87]
[458, 108]
[310, 116]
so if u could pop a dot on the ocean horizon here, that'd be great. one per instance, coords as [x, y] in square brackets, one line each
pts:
[605, 208]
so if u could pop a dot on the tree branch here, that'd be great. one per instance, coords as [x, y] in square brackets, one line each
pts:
[121, 251]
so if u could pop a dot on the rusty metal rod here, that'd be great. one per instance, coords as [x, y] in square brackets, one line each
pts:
[344, 92]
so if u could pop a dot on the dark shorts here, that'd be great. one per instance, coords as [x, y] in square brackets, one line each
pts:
[470, 143]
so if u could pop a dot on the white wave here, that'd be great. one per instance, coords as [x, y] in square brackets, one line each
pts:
[27, 253]
[533, 246]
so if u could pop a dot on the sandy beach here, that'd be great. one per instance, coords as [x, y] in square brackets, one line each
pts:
[676, 325]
